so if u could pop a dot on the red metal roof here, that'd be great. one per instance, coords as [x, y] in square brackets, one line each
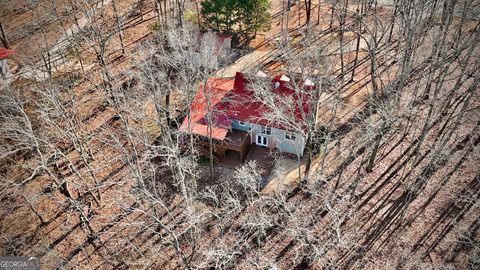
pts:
[244, 107]
[231, 99]
[4, 53]
[215, 90]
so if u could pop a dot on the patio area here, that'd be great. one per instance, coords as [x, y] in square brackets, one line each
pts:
[260, 155]
[233, 152]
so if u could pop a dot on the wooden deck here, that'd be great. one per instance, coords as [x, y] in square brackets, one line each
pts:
[236, 140]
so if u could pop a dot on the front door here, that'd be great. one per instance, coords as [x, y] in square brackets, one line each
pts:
[262, 140]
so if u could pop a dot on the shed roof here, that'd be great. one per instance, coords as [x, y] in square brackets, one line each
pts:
[4, 53]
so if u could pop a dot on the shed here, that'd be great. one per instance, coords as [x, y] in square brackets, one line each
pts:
[5, 74]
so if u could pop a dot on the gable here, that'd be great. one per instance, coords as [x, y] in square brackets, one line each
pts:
[214, 90]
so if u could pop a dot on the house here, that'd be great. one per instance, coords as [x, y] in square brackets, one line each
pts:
[239, 119]
[5, 74]
[214, 48]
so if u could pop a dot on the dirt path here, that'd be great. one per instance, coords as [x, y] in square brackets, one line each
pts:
[36, 71]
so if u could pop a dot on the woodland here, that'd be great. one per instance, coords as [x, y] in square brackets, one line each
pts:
[95, 174]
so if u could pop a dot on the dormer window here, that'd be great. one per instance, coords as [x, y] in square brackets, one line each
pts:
[289, 135]
[242, 124]
[266, 130]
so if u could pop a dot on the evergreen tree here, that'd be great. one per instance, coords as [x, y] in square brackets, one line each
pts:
[236, 16]
[254, 15]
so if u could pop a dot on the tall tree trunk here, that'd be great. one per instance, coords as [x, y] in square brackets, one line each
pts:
[119, 26]
[308, 10]
[392, 23]
[207, 97]
[313, 104]
[359, 32]
[343, 17]
[80, 59]
[299, 9]
[165, 14]
[181, 8]
[4, 37]
[318, 12]
[167, 108]
[332, 14]
[376, 147]
[198, 15]
[140, 6]
[340, 35]
[286, 22]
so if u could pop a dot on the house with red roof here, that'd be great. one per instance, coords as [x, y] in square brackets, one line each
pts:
[4, 70]
[239, 119]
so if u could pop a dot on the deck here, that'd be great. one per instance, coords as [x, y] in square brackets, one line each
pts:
[235, 140]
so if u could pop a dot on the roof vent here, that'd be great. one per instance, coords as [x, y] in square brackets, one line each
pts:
[284, 78]
[309, 83]
[261, 74]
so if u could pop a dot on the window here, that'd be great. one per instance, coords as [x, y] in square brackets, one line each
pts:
[262, 140]
[289, 135]
[266, 130]
[242, 124]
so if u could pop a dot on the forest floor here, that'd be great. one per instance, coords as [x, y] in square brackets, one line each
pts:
[391, 227]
